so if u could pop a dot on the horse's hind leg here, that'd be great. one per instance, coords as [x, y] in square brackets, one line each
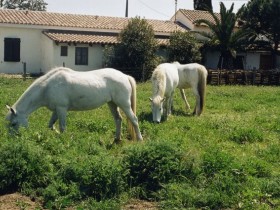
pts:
[197, 109]
[133, 119]
[118, 120]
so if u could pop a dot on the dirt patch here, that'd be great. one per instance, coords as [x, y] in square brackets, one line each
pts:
[17, 201]
[140, 205]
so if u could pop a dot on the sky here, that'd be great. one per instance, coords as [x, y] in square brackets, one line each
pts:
[149, 9]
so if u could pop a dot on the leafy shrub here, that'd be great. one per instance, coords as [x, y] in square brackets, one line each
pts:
[98, 176]
[59, 194]
[177, 196]
[23, 165]
[152, 164]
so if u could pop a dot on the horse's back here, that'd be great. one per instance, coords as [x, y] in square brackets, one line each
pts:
[190, 74]
[86, 90]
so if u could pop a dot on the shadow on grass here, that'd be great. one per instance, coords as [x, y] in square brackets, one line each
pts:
[148, 117]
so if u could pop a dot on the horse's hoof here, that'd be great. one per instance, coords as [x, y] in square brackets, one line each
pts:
[117, 141]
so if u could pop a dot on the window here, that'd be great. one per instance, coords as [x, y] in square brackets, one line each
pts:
[12, 49]
[81, 57]
[266, 62]
[64, 51]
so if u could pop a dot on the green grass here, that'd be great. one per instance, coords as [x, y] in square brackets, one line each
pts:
[228, 158]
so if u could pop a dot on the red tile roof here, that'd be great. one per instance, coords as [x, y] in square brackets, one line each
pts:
[89, 22]
[76, 37]
[87, 38]
[194, 15]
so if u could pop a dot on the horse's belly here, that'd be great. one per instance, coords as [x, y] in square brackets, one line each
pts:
[86, 102]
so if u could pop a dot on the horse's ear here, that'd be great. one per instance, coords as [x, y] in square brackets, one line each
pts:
[151, 99]
[11, 109]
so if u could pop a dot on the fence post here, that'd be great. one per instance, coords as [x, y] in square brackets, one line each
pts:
[24, 70]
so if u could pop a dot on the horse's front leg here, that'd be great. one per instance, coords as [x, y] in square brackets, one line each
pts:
[118, 120]
[169, 105]
[165, 108]
[61, 114]
[53, 120]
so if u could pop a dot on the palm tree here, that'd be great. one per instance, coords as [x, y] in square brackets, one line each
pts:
[223, 36]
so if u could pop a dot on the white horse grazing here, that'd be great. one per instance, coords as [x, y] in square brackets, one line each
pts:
[63, 89]
[165, 79]
[168, 76]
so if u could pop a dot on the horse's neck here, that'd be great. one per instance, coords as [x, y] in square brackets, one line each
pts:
[160, 84]
[30, 100]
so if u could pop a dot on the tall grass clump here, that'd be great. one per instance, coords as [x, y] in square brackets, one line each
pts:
[24, 166]
[155, 163]
[242, 135]
[84, 176]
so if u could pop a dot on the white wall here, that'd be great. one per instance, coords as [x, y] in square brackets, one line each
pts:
[47, 53]
[51, 56]
[95, 57]
[30, 50]
[41, 54]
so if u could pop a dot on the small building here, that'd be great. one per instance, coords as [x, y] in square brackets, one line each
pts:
[249, 60]
[36, 41]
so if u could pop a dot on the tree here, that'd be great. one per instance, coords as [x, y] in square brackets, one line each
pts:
[202, 5]
[137, 48]
[223, 36]
[262, 16]
[184, 48]
[36, 5]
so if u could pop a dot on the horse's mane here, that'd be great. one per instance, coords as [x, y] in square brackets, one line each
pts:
[159, 82]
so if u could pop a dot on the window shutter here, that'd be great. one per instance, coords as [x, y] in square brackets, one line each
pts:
[12, 49]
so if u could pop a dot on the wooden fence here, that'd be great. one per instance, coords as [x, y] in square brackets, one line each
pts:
[244, 77]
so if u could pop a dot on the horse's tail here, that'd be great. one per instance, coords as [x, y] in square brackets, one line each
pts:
[202, 81]
[130, 127]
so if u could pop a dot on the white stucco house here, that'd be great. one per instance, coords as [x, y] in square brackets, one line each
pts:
[247, 60]
[35, 41]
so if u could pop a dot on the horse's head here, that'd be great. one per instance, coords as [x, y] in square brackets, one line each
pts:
[15, 120]
[157, 108]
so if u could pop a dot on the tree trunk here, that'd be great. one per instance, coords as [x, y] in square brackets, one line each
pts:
[225, 61]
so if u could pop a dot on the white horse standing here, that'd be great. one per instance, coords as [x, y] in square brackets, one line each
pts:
[168, 76]
[63, 89]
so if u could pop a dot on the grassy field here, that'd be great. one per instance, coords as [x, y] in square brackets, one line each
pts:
[228, 158]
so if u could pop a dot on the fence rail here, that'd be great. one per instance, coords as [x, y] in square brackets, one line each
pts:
[244, 77]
